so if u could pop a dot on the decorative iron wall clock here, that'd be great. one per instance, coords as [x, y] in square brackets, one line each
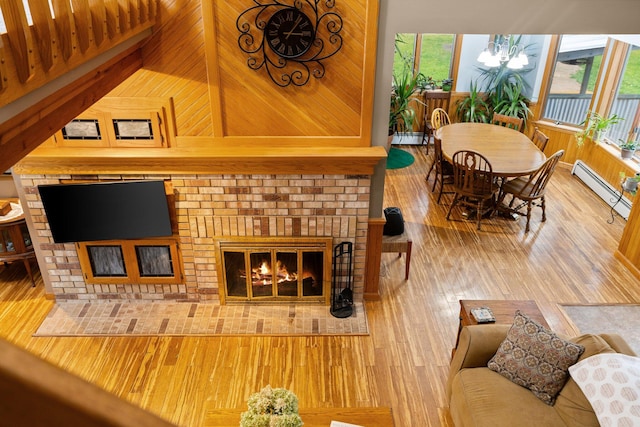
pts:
[290, 40]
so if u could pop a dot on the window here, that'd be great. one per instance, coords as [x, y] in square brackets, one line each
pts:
[121, 122]
[435, 55]
[574, 77]
[82, 129]
[427, 54]
[133, 129]
[627, 99]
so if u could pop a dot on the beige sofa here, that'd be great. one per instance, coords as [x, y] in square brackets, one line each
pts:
[481, 397]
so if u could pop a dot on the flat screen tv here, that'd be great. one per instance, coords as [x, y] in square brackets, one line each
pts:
[106, 210]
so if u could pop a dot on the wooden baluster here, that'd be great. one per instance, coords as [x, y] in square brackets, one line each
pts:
[3, 70]
[99, 20]
[64, 27]
[153, 9]
[125, 16]
[44, 31]
[143, 11]
[82, 18]
[113, 18]
[15, 20]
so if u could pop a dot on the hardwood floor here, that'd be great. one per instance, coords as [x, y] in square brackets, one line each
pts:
[403, 363]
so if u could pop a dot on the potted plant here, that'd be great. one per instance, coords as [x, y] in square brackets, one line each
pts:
[425, 82]
[402, 114]
[596, 127]
[628, 148]
[447, 84]
[630, 183]
[513, 102]
[473, 107]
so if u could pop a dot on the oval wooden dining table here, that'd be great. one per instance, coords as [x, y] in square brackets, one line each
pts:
[511, 153]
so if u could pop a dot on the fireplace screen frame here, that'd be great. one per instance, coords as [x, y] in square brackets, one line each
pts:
[272, 246]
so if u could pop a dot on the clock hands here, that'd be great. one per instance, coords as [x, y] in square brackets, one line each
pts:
[295, 24]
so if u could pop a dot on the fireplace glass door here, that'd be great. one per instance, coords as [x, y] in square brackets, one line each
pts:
[274, 274]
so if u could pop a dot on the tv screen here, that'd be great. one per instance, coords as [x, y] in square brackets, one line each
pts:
[106, 211]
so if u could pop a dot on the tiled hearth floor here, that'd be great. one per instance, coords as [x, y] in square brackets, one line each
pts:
[184, 318]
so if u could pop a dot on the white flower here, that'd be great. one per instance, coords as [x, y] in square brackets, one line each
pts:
[272, 407]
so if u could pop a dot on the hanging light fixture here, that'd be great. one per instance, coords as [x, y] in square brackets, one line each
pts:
[498, 52]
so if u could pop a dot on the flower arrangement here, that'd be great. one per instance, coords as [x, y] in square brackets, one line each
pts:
[272, 407]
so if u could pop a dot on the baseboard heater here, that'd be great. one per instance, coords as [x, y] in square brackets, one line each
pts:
[602, 188]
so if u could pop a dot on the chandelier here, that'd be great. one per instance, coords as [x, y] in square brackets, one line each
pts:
[502, 50]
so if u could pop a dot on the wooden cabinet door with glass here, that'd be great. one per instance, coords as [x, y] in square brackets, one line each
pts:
[149, 261]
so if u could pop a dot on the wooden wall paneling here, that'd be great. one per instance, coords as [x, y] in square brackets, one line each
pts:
[64, 27]
[332, 105]
[177, 69]
[629, 246]
[43, 31]
[83, 24]
[98, 20]
[19, 37]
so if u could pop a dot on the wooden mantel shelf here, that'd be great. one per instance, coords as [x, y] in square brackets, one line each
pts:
[203, 160]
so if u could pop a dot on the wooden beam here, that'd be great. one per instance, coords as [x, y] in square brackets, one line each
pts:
[210, 159]
[25, 131]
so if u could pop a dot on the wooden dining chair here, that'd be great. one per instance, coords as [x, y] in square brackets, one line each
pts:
[539, 139]
[442, 168]
[516, 123]
[474, 183]
[432, 100]
[439, 118]
[530, 189]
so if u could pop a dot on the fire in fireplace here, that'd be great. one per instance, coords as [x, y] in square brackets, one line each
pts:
[275, 270]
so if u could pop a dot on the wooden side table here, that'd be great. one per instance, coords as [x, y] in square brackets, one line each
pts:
[503, 311]
[400, 243]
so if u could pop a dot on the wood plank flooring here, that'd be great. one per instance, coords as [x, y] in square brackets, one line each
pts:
[403, 363]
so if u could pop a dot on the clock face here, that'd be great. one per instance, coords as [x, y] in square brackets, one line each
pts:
[289, 33]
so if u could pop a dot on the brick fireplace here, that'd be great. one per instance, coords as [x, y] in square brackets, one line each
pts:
[210, 209]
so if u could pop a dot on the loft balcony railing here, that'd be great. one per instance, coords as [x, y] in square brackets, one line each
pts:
[41, 40]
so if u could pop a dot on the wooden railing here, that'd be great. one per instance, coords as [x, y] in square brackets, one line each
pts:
[80, 30]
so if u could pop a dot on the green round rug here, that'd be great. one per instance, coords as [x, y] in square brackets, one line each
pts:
[397, 159]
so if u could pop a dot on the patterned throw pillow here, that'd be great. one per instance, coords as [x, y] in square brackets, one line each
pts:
[611, 383]
[535, 358]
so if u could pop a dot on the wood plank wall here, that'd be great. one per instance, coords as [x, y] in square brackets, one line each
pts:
[194, 58]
